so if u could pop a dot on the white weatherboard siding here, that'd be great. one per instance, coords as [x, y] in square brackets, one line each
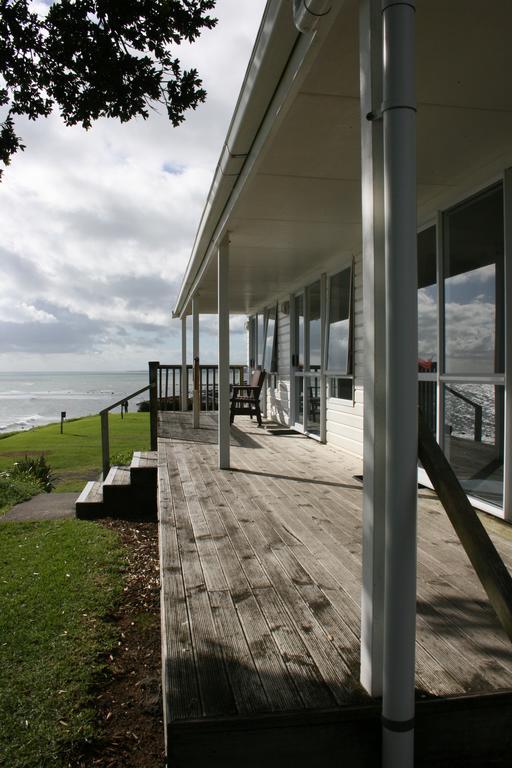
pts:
[344, 418]
[278, 398]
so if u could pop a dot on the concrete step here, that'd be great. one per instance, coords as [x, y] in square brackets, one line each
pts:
[89, 504]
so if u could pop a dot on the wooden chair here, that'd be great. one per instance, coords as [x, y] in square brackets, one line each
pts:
[245, 398]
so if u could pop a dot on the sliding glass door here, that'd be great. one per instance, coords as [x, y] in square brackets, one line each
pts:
[473, 390]
[461, 335]
[307, 340]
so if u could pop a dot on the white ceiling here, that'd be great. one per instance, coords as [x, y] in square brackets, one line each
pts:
[302, 206]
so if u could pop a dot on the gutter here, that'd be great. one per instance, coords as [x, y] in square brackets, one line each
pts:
[288, 34]
[274, 44]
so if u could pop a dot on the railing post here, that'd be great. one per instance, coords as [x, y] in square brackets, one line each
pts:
[196, 403]
[105, 447]
[153, 404]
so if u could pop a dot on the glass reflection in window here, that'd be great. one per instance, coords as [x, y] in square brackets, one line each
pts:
[338, 327]
[268, 358]
[261, 339]
[314, 323]
[473, 285]
[474, 432]
[427, 301]
[299, 330]
[313, 384]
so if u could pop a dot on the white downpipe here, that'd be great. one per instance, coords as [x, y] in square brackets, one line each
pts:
[184, 375]
[223, 309]
[399, 129]
[307, 13]
[195, 354]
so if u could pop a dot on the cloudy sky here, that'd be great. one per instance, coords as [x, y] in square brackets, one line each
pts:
[97, 227]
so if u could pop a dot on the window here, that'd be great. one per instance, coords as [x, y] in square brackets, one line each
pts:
[299, 331]
[270, 349]
[427, 301]
[252, 342]
[473, 286]
[338, 344]
[341, 388]
[260, 326]
[314, 299]
[339, 322]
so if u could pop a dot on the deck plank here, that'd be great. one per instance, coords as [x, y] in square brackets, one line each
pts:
[263, 578]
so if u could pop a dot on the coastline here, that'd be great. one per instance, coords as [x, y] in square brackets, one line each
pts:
[33, 399]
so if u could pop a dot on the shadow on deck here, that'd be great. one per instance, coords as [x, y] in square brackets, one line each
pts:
[261, 579]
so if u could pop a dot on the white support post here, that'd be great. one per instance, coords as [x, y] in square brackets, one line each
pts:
[323, 358]
[196, 404]
[184, 374]
[223, 308]
[374, 304]
[507, 460]
[399, 127]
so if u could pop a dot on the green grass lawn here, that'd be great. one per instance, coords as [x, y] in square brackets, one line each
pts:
[58, 581]
[75, 456]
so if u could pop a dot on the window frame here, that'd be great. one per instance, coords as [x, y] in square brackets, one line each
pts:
[273, 357]
[332, 374]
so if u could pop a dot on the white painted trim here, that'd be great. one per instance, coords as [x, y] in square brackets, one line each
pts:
[440, 325]
[507, 448]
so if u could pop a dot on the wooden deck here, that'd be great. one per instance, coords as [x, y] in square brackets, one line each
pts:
[261, 580]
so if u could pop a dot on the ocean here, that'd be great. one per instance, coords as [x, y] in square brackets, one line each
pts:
[31, 399]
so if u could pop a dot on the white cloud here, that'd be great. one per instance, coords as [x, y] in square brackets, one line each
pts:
[97, 226]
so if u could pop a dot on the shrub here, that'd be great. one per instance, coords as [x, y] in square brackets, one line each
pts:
[15, 491]
[35, 470]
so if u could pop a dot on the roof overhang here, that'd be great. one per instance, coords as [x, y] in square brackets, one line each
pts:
[287, 189]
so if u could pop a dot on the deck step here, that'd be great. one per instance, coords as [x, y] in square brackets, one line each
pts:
[144, 459]
[117, 492]
[117, 476]
[126, 492]
[143, 469]
[89, 504]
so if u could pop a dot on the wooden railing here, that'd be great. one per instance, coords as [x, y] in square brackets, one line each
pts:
[105, 435]
[165, 394]
[169, 392]
[478, 411]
